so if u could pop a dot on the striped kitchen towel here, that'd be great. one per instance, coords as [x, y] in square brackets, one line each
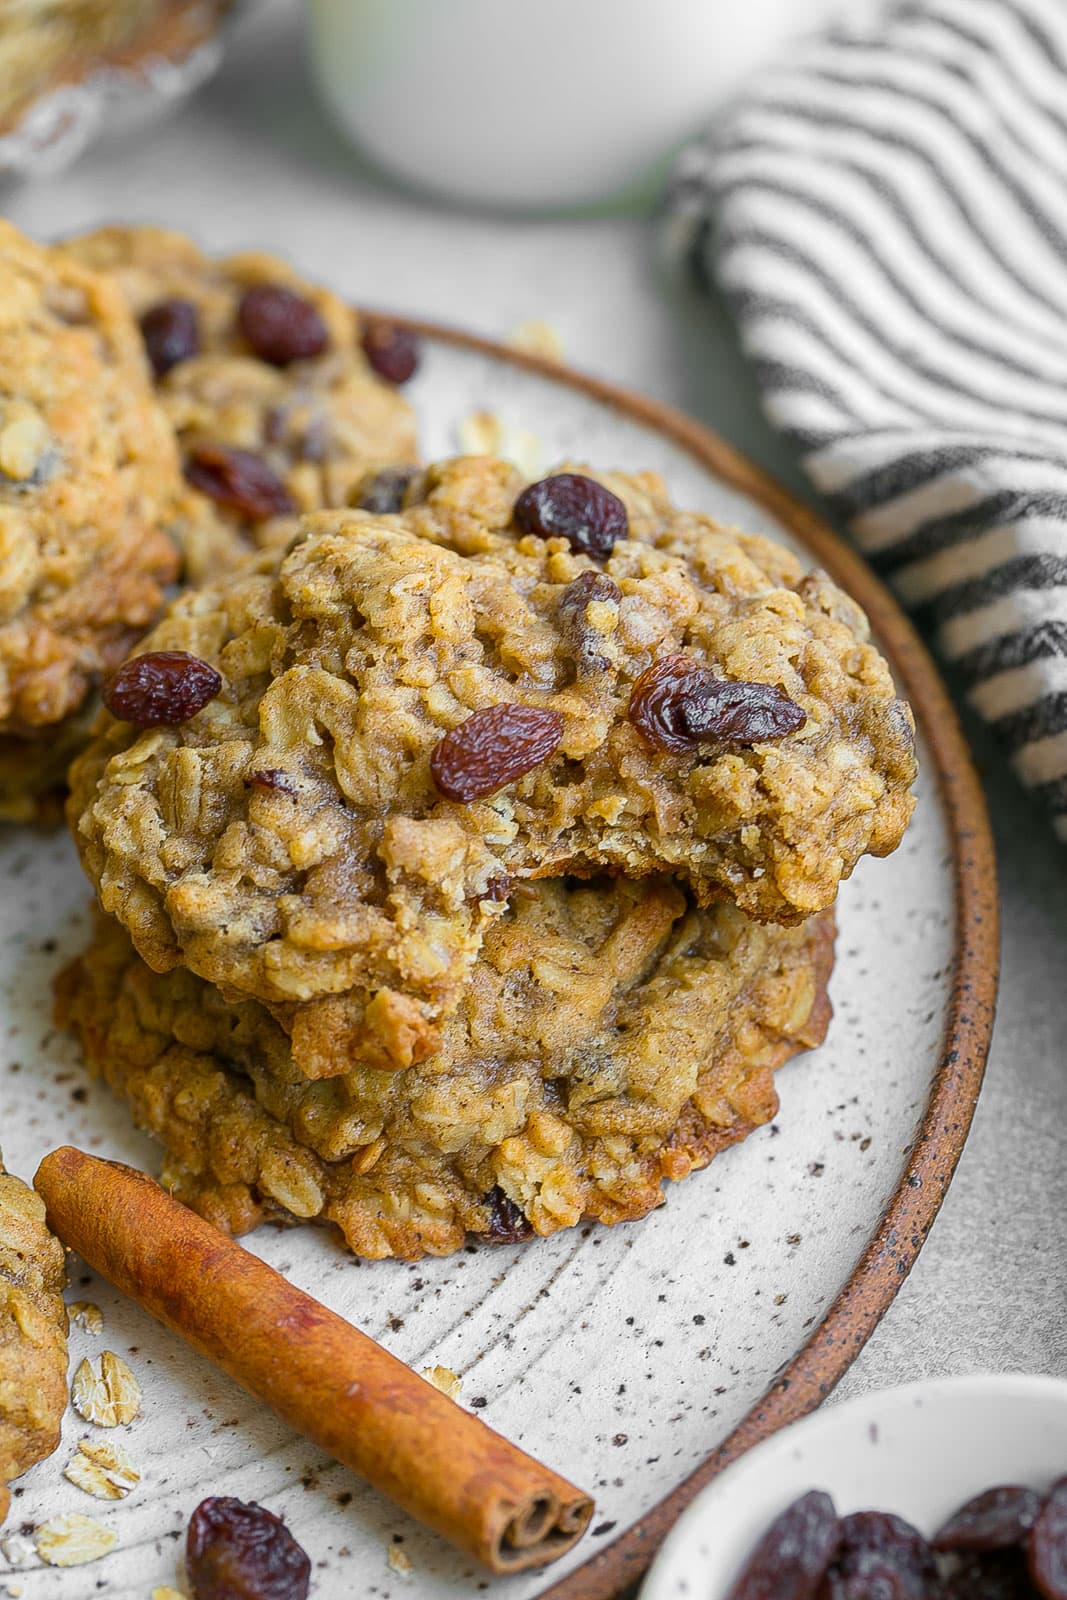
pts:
[887, 215]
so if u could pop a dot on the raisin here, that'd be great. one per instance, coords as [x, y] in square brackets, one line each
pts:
[508, 1223]
[741, 713]
[393, 352]
[572, 507]
[677, 703]
[160, 689]
[990, 1521]
[239, 480]
[1047, 1545]
[584, 642]
[493, 748]
[281, 326]
[171, 333]
[657, 701]
[794, 1553]
[994, 1575]
[383, 492]
[272, 780]
[881, 1555]
[497, 889]
[240, 1551]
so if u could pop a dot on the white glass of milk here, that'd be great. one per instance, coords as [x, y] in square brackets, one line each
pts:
[537, 103]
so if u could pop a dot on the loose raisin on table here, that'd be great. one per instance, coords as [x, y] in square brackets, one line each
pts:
[676, 704]
[383, 492]
[581, 639]
[881, 1555]
[239, 480]
[493, 748]
[393, 352]
[576, 508]
[281, 326]
[992, 1520]
[790, 1560]
[171, 333]
[1047, 1544]
[160, 689]
[240, 1551]
[508, 1223]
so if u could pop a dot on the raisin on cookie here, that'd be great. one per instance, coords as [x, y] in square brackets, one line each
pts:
[611, 1035]
[306, 838]
[264, 379]
[88, 481]
[33, 1332]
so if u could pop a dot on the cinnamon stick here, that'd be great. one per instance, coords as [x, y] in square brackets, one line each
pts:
[317, 1372]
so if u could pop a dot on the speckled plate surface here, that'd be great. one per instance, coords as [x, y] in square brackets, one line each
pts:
[637, 1360]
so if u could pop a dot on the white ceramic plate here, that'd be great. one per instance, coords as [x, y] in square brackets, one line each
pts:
[624, 1357]
[920, 1451]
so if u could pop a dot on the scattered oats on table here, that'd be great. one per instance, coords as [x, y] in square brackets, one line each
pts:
[74, 1540]
[102, 1468]
[108, 1395]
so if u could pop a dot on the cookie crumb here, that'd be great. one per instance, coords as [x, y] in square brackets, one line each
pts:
[536, 337]
[19, 1550]
[445, 1379]
[485, 434]
[399, 1562]
[84, 1314]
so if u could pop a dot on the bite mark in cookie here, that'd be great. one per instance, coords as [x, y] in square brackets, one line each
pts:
[353, 897]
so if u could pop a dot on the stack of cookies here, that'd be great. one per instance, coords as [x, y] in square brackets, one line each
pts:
[467, 867]
[466, 847]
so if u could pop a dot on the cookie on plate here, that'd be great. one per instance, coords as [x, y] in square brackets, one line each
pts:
[310, 837]
[264, 379]
[611, 1035]
[33, 1332]
[88, 480]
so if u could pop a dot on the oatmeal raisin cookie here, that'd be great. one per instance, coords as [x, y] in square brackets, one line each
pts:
[290, 844]
[88, 477]
[611, 1036]
[314, 422]
[33, 1332]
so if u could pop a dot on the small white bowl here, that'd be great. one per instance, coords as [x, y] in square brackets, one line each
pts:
[920, 1451]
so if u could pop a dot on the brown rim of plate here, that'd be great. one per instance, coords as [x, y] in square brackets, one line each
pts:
[819, 1364]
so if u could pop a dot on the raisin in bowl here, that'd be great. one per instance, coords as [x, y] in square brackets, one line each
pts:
[918, 1452]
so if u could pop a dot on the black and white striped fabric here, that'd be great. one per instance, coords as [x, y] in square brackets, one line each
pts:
[887, 214]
